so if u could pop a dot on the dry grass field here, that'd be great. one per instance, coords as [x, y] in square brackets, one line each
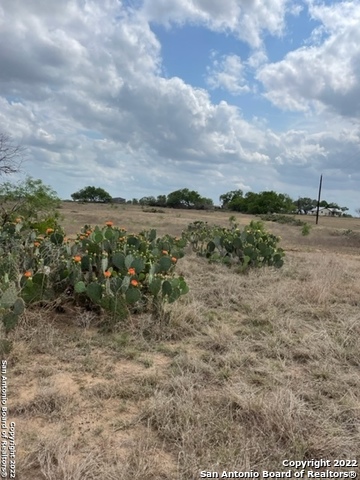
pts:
[251, 369]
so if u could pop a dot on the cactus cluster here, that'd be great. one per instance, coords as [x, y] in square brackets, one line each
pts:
[252, 247]
[133, 267]
[105, 266]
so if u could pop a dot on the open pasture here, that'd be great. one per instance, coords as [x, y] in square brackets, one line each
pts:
[249, 371]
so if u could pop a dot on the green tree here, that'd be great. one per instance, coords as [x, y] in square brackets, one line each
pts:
[148, 201]
[262, 203]
[252, 205]
[183, 198]
[333, 205]
[186, 198]
[232, 196]
[92, 194]
[205, 204]
[306, 204]
[161, 201]
[30, 199]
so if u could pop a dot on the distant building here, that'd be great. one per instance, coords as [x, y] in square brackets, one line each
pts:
[326, 212]
[118, 200]
[337, 212]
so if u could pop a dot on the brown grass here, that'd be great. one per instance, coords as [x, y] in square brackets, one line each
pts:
[249, 371]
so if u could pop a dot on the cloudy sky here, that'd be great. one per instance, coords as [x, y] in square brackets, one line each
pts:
[142, 97]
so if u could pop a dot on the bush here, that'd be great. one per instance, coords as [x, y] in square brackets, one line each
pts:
[284, 219]
[153, 210]
[306, 229]
[30, 200]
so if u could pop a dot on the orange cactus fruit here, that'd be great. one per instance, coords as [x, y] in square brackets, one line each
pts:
[109, 223]
[131, 271]
[134, 283]
[77, 258]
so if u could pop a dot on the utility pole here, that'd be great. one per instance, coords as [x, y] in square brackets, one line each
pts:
[318, 203]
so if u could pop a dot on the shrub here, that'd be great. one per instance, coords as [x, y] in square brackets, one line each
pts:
[284, 219]
[306, 229]
[31, 200]
[153, 210]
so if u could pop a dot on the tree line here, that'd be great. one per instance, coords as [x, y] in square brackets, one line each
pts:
[183, 198]
[234, 200]
[271, 202]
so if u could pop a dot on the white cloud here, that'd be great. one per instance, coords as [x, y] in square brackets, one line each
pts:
[257, 58]
[81, 88]
[227, 73]
[326, 75]
[245, 19]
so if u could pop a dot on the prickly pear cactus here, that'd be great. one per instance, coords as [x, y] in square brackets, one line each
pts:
[9, 297]
[11, 307]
